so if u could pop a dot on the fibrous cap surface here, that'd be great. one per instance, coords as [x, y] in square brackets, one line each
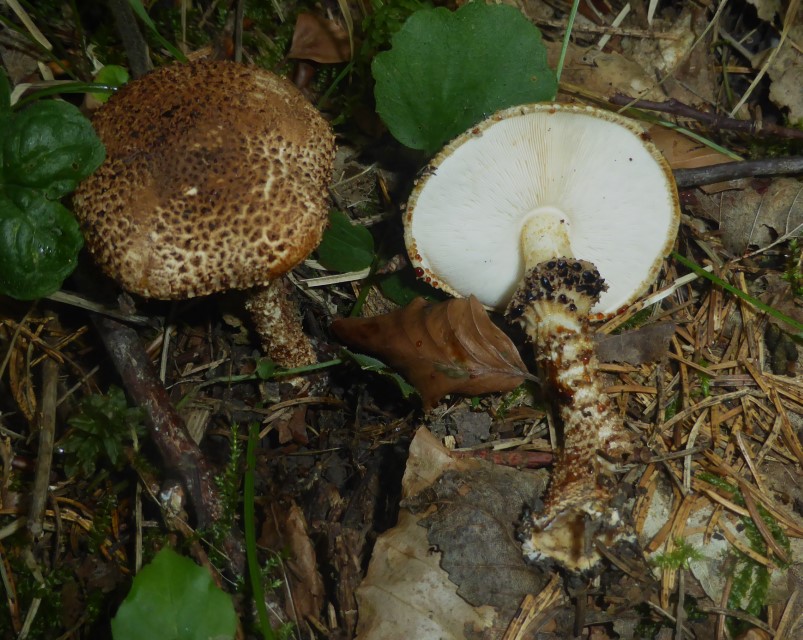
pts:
[215, 178]
[610, 188]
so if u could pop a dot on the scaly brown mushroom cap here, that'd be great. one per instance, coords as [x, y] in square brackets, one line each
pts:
[215, 178]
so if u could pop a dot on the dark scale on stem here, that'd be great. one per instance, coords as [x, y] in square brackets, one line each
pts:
[552, 304]
[560, 280]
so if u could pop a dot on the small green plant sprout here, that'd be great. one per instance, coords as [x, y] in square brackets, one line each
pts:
[793, 273]
[367, 363]
[678, 558]
[110, 75]
[101, 427]
[46, 149]
[172, 598]
[446, 71]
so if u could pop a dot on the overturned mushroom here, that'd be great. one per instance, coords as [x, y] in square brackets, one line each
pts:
[215, 179]
[557, 212]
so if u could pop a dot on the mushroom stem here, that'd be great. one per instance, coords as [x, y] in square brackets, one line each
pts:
[552, 304]
[544, 234]
[277, 320]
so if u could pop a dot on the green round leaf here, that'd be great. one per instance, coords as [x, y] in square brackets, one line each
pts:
[39, 243]
[113, 75]
[174, 599]
[266, 368]
[448, 70]
[345, 246]
[51, 146]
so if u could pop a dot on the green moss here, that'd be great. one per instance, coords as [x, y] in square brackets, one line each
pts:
[751, 580]
[679, 558]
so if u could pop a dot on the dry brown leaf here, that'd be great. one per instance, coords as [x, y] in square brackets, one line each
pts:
[683, 152]
[286, 528]
[405, 593]
[320, 40]
[441, 348]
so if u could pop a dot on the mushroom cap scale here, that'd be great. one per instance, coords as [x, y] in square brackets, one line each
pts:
[591, 172]
[215, 178]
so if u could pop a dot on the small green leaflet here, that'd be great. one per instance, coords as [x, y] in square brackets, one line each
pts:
[448, 70]
[172, 598]
[367, 363]
[111, 75]
[345, 246]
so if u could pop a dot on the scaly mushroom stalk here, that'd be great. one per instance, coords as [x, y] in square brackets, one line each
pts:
[499, 205]
[552, 305]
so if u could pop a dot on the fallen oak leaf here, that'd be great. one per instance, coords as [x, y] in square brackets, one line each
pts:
[442, 348]
[320, 40]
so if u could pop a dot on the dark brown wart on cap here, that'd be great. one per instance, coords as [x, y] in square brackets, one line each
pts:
[215, 179]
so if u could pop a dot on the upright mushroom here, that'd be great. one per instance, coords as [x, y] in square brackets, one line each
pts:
[215, 179]
[557, 212]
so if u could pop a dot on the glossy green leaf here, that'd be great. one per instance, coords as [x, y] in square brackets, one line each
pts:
[448, 70]
[50, 146]
[39, 243]
[172, 598]
[345, 246]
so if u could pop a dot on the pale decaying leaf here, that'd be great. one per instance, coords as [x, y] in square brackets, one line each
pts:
[474, 527]
[472, 535]
[766, 9]
[604, 73]
[786, 73]
[752, 217]
[405, 594]
[286, 528]
[442, 348]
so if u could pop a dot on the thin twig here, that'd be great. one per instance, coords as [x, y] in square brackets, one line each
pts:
[734, 170]
[44, 455]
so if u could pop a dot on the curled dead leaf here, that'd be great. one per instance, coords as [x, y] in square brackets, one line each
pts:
[645, 344]
[318, 39]
[442, 348]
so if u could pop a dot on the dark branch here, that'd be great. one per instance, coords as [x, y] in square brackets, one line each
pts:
[167, 429]
[734, 170]
[713, 120]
